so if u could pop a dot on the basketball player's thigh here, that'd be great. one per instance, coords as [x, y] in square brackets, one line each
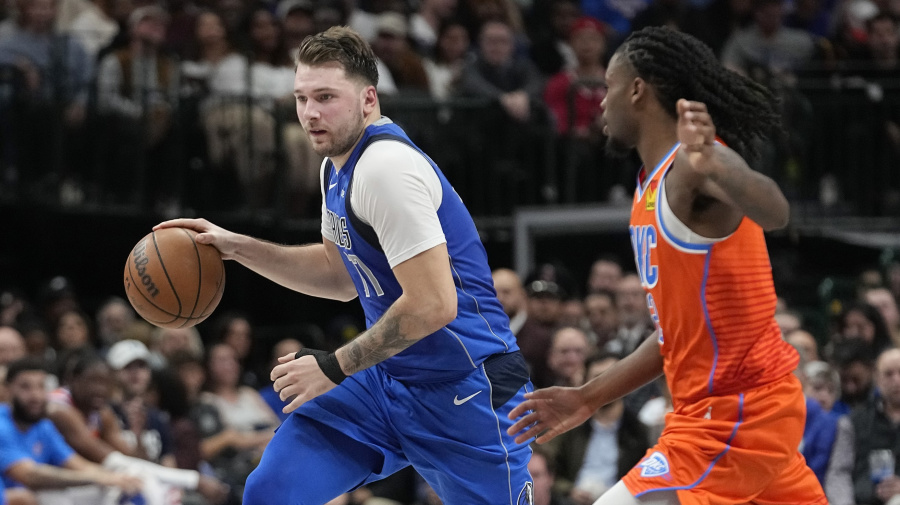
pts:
[458, 440]
[619, 495]
[796, 485]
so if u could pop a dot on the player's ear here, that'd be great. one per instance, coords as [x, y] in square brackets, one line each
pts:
[369, 99]
[638, 89]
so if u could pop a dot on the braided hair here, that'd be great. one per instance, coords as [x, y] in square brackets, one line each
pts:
[680, 66]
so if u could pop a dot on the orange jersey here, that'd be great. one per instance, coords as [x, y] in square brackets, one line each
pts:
[713, 301]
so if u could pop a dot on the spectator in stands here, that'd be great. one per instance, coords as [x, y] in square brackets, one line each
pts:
[54, 72]
[606, 272]
[34, 453]
[12, 348]
[426, 23]
[593, 456]
[534, 338]
[617, 14]
[89, 22]
[551, 50]
[73, 331]
[823, 384]
[37, 339]
[445, 67]
[167, 342]
[854, 360]
[767, 48]
[267, 392]
[574, 95]
[137, 90]
[235, 330]
[297, 22]
[875, 429]
[804, 342]
[476, 13]
[113, 319]
[498, 73]
[634, 317]
[56, 297]
[146, 431]
[862, 321]
[80, 410]
[13, 306]
[653, 413]
[511, 295]
[882, 299]
[812, 16]
[391, 46]
[603, 317]
[569, 348]
[543, 472]
[12, 345]
[788, 321]
[242, 414]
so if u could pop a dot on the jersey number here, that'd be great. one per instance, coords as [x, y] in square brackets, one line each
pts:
[364, 273]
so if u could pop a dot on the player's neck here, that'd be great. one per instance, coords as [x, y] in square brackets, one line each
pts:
[656, 141]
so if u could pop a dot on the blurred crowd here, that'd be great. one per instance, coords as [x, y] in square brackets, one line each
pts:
[132, 400]
[127, 101]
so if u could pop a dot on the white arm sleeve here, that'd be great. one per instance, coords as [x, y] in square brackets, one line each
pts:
[397, 192]
[176, 477]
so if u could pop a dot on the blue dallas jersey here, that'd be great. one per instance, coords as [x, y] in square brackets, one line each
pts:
[480, 329]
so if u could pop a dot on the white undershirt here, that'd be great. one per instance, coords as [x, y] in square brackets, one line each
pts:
[397, 192]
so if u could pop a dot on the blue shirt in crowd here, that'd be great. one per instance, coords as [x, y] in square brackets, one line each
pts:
[41, 443]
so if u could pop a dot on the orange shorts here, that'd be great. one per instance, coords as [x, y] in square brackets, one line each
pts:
[733, 449]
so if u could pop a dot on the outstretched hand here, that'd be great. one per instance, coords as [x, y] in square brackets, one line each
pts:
[547, 413]
[207, 233]
[696, 132]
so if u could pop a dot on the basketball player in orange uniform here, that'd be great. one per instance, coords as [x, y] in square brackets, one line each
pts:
[697, 225]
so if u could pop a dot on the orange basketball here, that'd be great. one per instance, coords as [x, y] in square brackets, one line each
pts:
[171, 280]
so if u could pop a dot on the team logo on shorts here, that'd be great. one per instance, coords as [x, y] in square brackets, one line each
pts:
[654, 465]
[526, 495]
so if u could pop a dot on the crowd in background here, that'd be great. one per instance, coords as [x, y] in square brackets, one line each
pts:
[200, 398]
[123, 101]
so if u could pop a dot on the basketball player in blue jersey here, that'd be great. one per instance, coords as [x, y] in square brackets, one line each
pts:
[431, 381]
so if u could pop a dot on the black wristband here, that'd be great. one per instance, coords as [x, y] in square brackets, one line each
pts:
[327, 362]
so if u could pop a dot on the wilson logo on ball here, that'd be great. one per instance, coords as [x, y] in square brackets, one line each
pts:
[140, 265]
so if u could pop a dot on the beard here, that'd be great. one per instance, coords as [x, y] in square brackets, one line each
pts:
[615, 148]
[20, 412]
[343, 140]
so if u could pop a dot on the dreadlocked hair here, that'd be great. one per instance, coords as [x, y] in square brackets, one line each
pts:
[680, 66]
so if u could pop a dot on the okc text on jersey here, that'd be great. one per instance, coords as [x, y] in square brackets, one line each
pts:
[643, 241]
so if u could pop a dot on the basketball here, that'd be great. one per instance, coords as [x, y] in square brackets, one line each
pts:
[171, 280]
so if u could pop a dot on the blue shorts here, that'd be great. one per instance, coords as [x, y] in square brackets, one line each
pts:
[452, 432]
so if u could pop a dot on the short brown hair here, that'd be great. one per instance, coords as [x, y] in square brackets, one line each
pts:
[342, 45]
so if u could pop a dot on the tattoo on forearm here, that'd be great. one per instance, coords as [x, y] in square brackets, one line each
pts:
[387, 337]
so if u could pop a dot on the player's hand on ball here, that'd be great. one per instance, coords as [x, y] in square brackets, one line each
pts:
[301, 378]
[696, 132]
[220, 238]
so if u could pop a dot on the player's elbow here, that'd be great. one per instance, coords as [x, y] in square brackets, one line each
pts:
[442, 310]
[779, 218]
